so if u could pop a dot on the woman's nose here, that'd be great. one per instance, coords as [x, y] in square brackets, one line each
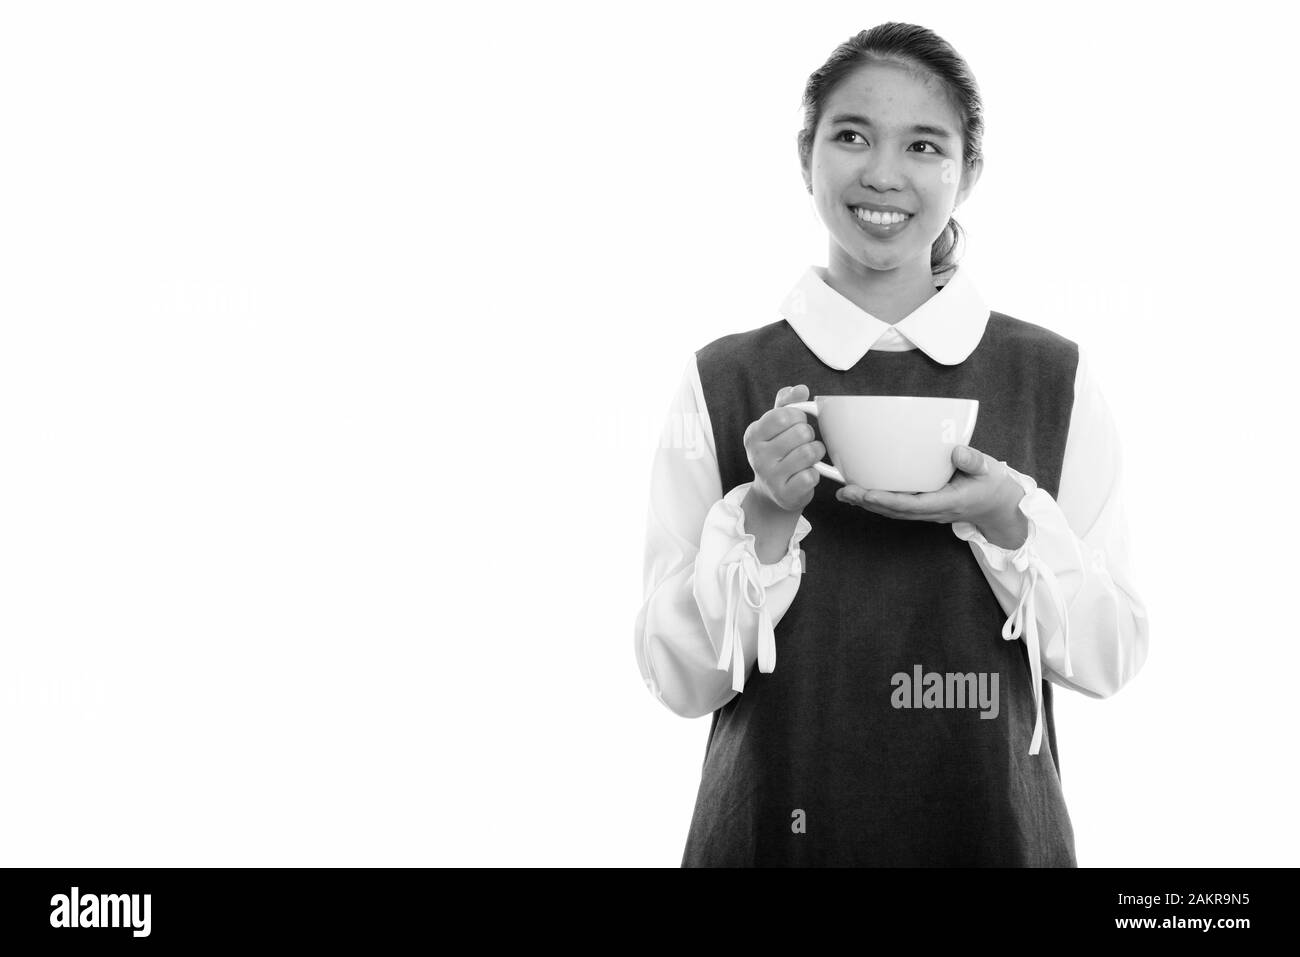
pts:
[882, 172]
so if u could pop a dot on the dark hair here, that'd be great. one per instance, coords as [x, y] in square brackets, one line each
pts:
[919, 49]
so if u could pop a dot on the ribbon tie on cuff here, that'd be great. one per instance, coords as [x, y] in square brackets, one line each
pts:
[1024, 620]
[740, 567]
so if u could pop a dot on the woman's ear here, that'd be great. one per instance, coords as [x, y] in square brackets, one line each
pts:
[803, 167]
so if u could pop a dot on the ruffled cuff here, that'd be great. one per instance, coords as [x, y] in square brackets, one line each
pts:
[1039, 508]
[746, 578]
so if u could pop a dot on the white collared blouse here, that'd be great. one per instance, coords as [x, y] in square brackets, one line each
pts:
[710, 606]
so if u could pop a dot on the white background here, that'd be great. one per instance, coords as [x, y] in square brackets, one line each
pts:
[335, 340]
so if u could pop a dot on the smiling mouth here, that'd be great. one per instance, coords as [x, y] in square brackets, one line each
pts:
[872, 218]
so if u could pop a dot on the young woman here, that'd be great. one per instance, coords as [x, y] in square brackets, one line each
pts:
[908, 721]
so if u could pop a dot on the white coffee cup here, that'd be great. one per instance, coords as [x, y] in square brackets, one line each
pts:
[895, 443]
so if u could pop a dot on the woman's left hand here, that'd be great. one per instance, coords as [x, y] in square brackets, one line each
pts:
[982, 492]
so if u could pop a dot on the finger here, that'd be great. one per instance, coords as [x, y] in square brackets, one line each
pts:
[969, 460]
[775, 421]
[926, 506]
[856, 495]
[799, 484]
[870, 496]
[803, 457]
[791, 393]
[792, 439]
[856, 498]
[915, 503]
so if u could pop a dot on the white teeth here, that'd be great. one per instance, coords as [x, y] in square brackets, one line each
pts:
[879, 219]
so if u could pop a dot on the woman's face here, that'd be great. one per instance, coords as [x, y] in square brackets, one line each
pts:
[867, 152]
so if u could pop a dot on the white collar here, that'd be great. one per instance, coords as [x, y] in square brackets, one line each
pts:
[947, 327]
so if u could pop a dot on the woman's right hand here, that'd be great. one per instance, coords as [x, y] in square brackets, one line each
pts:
[782, 448]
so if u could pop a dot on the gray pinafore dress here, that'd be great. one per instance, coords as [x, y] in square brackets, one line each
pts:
[812, 765]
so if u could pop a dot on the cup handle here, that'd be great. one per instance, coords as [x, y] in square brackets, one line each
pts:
[830, 471]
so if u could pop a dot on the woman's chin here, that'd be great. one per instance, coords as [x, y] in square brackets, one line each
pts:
[874, 257]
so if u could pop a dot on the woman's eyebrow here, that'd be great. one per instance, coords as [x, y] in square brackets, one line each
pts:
[921, 128]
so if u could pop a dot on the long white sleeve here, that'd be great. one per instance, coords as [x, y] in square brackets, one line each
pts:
[707, 599]
[1072, 579]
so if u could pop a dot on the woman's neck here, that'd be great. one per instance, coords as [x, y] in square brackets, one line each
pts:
[888, 294]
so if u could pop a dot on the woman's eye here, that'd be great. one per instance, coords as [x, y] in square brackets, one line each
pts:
[839, 137]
